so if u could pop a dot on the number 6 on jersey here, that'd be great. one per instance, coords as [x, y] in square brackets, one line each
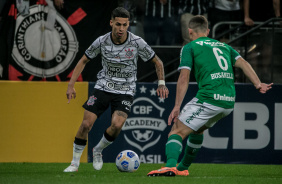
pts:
[219, 58]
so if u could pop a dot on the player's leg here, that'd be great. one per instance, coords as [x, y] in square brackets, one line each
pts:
[186, 123]
[81, 139]
[120, 106]
[193, 116]
[173, 149]
[118, 119]
[194, 143]
[96, 104]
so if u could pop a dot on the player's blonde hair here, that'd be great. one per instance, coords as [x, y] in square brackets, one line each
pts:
[198, 23]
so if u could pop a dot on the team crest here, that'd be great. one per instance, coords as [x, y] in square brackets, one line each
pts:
[129, 53]
[41, 51]
[91, 100]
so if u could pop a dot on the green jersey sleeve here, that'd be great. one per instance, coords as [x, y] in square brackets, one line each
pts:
[186, 57]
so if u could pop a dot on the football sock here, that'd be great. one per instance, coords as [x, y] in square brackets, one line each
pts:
[78, 147]
[194, 144]
[104, 142]
[173, 149]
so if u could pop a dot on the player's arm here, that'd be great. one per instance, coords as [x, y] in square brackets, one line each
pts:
[252, 76]
[181, 89]
[162, 90]
[248, 21]
[182, 86]
[76, 72]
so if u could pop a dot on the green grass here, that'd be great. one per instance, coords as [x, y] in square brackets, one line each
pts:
[51, 173]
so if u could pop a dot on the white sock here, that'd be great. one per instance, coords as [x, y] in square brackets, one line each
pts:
[77, 152]
[102, 144]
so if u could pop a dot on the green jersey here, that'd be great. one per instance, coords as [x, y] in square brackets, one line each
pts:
[212, 62]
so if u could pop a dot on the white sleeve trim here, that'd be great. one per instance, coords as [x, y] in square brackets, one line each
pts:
[236, 58]
[184, 67]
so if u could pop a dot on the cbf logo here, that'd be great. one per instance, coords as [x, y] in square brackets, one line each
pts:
[143, 129]
[41, 51]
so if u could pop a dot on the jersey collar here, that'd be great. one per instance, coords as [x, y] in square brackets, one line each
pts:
[127, 35]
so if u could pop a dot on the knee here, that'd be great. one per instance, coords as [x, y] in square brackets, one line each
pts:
[86, 125]
[177, 133]
[180, 129]
[115, 126]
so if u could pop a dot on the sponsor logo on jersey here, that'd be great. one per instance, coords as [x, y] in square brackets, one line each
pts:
[115, 86]
[224, 97]
[127, 103]
[194, 114]
[211, 43]
[200, 43]
[116, 72]
[43, 52]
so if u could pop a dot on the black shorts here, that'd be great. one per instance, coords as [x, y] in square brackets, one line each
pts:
[99, 101]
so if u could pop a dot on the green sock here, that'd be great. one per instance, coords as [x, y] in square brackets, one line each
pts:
[194, 144]
[173, 149]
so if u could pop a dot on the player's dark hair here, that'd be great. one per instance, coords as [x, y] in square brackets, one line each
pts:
[198, 23]
[120, 12]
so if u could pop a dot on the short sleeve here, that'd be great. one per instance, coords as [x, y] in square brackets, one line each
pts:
[145, 51]
[186, 57]
[94, 49]
[234, 55]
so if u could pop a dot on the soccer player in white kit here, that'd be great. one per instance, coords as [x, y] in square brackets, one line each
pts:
[115, 86]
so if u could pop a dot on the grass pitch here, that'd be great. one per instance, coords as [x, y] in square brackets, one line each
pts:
[52, 173]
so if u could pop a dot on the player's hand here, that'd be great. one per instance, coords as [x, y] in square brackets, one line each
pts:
[248, 21]
[263, 88]
[162, 91]
[70, 93]
[173, 115]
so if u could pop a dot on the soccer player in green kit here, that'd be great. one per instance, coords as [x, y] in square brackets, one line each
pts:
[213, 64]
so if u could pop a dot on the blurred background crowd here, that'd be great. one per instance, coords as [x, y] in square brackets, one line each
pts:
[252, 27]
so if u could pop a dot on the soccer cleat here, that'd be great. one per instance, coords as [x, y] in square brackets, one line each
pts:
[71, 168]
[181, 173]
[97, 160]
[164, 171]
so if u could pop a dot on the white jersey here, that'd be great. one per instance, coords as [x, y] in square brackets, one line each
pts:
[119, 62]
